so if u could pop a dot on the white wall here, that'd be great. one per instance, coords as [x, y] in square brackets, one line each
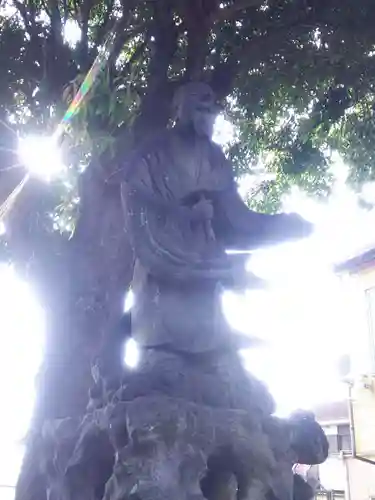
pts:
[332, 474]
[355, 313]
[359, 476]
[362, 480]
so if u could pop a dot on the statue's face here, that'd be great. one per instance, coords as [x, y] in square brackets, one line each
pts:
[195, 105]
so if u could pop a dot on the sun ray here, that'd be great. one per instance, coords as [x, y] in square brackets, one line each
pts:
[7, 205]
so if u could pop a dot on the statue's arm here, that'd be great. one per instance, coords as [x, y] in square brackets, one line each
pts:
[142, 188]
[309, 442]
[240, 226]
[142, 178]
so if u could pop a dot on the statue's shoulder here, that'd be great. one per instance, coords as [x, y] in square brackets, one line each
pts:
[146, 150]
[149, 144]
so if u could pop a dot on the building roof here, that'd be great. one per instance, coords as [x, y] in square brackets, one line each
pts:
[362, 260]
[333, 412]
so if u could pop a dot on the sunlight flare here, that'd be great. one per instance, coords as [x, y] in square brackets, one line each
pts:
[41, 156]
[132, 354]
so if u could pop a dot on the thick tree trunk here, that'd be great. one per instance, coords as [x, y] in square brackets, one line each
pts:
[81, 284]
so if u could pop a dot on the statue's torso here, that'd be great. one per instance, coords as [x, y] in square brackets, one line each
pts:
[180, 166]
[190, 319]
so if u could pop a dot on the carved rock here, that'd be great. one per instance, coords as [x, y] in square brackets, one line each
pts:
[215, 379]
[172, 446]
[157, 447]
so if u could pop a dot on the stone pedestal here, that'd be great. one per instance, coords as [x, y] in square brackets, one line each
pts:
[174, 450]
[179, 429]
[158, 448]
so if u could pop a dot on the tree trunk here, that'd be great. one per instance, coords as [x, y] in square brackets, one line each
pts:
[81, 284]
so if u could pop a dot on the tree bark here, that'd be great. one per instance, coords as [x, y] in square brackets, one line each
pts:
[81, 284]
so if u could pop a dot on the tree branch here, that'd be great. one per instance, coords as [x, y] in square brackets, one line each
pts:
[56, 25]
[22, 9]
[222, 78]
[155, 107]
[65, 10]
[123, 36]
[231, 12]
[75, 4]
[85, 11]
[139, 51]
[45, 7]
[103, 28]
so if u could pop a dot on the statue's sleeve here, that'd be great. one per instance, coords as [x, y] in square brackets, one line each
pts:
[143, 180]
[159, 227]
[241, 228]
[309, 442]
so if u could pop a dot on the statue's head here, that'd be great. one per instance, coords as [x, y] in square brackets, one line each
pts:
[195, 105]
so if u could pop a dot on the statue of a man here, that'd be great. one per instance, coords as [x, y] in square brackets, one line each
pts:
[183, 212]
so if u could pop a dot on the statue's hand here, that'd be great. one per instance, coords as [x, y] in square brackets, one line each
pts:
[294, 226]
[203, 210]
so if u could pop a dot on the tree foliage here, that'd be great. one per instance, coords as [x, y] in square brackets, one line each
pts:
[295, 77]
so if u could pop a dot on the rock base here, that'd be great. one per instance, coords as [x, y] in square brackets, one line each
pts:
[158, 448]
[181, 428]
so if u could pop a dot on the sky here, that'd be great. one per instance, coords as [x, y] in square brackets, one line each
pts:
[21, 347]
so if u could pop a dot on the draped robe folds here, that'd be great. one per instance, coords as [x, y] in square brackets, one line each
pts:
[181, 264]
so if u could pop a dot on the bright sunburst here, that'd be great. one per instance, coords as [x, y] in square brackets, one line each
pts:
[41, 156]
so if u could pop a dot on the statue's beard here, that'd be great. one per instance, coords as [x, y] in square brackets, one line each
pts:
[204, 123]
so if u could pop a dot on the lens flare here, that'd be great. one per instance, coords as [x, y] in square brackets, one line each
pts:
[41, 156]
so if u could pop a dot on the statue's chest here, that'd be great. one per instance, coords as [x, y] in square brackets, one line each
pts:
[189, 168]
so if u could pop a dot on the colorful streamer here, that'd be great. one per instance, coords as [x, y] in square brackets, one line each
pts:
[99, 63]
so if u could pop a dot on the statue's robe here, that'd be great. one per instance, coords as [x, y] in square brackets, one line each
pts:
[163, 179]
[181, 265]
